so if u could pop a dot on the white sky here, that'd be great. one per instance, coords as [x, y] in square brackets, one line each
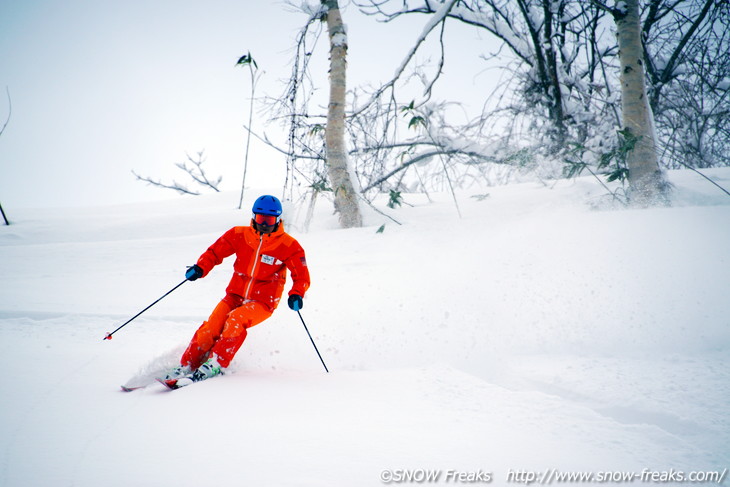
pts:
[100, 89]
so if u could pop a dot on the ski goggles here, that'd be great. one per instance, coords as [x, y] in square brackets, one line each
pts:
[268, 220]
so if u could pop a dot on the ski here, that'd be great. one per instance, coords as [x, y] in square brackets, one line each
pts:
[179, 382]
[173, 384]
[146, 379]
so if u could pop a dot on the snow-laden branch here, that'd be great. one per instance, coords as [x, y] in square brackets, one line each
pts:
[435, 19]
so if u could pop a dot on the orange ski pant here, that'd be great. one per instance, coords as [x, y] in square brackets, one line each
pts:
[224, 332]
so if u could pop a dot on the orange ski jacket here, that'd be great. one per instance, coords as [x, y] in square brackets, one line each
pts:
[261, 264]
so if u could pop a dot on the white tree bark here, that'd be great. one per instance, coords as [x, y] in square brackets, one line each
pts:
[346, 203]
[646, 181]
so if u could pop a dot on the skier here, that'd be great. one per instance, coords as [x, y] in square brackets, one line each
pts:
[264, 252]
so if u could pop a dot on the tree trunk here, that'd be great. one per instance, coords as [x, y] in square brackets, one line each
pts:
[646, 181]
[346, 203]
[552, 80]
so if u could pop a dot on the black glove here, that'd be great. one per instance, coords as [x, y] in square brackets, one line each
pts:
[193, 272]
[295, 302]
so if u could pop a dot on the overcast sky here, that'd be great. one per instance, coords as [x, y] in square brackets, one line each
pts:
[99, 89]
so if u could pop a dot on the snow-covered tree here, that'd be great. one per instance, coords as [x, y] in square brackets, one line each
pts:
[565, 94]
[561, 88]
[687, 54]
[346, 203]
[317, 154]
[646, 180]
[562, 102]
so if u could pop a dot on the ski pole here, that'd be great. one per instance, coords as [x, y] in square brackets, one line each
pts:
[310, 339]
[109, 335]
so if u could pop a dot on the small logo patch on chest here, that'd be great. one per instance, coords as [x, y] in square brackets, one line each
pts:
[267, 259]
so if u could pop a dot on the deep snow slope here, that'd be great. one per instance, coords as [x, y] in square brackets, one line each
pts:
[542, 332]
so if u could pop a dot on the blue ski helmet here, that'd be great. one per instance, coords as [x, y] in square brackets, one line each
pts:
[267, 205]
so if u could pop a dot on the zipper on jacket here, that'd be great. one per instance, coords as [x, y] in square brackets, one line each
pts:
[253, 268]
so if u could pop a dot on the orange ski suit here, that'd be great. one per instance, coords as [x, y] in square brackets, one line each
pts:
[253, 293]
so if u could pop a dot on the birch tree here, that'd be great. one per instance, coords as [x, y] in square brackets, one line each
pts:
[346, 203]
[646, 181]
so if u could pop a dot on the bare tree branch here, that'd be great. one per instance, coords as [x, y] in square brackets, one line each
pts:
[174, 186]
[200, 176]
[195, 172]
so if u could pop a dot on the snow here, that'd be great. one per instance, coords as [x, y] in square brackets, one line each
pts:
[544, 331]
[339, 39]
